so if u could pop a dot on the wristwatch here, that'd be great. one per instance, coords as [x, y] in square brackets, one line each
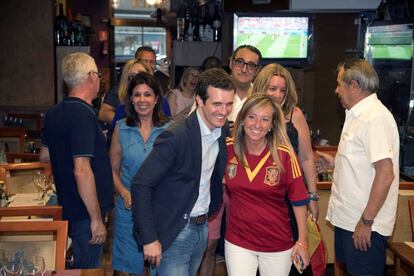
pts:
[367, 222]
[313, 196]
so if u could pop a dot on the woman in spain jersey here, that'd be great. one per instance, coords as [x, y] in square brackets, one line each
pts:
[261, 170]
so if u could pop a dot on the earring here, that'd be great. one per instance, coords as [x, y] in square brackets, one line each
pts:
[270, 130]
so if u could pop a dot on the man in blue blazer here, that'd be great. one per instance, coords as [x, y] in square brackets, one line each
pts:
[180, 183]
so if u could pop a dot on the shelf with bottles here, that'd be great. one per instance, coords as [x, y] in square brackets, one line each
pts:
[196, 22]
[69, 31]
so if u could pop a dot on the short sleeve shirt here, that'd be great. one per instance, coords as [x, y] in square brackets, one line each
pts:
[71, 130]
[369, 134]
[259, 217]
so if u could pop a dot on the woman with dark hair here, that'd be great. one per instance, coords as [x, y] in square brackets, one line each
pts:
[132, 141]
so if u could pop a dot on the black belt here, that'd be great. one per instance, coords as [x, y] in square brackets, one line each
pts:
[198, 220]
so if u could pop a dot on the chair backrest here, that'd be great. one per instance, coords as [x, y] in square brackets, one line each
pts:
[14, 136]
[59, 228]
[19, 157]
[20, 175]
[411, 211]
[54, 212]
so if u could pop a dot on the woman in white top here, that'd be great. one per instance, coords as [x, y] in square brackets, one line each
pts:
[182, 98]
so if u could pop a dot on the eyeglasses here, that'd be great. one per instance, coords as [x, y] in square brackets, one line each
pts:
[240, 63]
[196, 76]
[97, 73]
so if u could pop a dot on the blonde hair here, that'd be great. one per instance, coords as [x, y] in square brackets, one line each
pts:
[123, 83]
[262, 80]
[277, 135]
[185, 76]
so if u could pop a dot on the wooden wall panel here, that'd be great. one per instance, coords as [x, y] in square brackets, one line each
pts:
[334, 40]
[26, 53]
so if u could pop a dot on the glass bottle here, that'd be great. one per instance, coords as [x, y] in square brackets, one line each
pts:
[180, 22]
[61, 28]
[208, 26]
[216, 24]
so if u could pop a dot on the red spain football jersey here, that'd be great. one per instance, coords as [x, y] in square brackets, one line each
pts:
[258, 216]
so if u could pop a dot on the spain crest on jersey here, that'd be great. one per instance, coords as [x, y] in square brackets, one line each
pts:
[231, 170]
[232, 167]
[272, 175]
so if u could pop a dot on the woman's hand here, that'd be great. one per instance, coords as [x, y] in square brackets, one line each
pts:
[313, 210]
[126, 196]
[302, 252]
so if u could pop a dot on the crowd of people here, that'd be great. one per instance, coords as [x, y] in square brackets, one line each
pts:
[175, 160]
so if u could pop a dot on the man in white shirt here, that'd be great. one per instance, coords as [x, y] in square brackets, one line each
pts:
[244, 65]
[180, 183]
[363, 202]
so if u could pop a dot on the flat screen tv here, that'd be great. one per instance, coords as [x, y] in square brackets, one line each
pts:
[389, 43]
[282, 38]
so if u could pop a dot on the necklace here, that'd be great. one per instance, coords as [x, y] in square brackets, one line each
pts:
[145, 131]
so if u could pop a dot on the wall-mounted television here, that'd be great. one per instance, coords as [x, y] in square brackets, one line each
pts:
[388, 43]
[283, 38]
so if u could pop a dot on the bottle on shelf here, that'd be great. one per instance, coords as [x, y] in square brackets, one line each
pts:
[61, 28]
[200, 24]
[216, 24]
[207, 24]
[71, 28]
[196, 24]
[181, 22]
[78, 31]
[189, 26]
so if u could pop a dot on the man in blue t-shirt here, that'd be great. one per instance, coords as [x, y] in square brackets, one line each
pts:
[76, 147]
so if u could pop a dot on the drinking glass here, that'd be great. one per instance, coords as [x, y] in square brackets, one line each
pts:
[12, 267]
[41, 184]
[34, 266]
[2, 260]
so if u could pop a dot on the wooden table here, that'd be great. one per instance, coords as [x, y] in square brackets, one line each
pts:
[403, 258]
[76, 272]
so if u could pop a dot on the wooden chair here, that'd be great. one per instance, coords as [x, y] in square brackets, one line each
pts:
[17, 134]
[45, 211]
[59, 228]
[24, 171]
[411, 211]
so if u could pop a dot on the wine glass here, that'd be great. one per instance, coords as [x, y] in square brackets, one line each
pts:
[2, 260]
[41, 184]
[34, 266]
[12, 267]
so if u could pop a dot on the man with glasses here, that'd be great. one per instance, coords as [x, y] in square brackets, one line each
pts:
[363, 202]
[76, 147]
[244, 65]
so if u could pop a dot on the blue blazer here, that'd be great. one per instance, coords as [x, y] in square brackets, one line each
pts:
[165, 188]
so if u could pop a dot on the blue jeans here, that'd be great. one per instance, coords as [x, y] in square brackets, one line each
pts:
[85, 255]
[184, 256]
